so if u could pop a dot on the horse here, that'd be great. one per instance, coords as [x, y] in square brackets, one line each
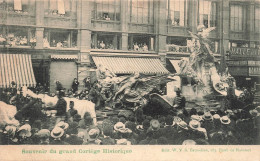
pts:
[7, 113]
[82, 106]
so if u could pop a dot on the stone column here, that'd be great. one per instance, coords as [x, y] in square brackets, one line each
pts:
[39, 38]
[223, 32]
[251, 24]
[124, 24]
[160, 26]
[84, 38]
[39, 9]
[39, 21]
[192, 15]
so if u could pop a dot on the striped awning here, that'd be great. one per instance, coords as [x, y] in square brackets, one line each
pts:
[175, 65]
[17, 68]
[64, 57]
[124, 65]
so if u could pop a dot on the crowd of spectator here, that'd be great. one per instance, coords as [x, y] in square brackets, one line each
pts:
[189, 127]
[140, 47]
[104, 45]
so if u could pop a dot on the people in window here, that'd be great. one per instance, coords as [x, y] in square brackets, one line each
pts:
[140, 47]
[14, 40]
[46, 43]
[136, 47]
[33, 42]
[145, 47]
[59, 45]
[102, 45]
[2, 40]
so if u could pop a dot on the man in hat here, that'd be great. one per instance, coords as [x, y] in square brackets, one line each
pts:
[59, 86]
[93, 137]
[207, 122]
[60, 106]
[75, 85]
[108, 132]
[169, 131]
[71, 112]
[179, 101]
[57, 134]
[73, 138]
[155, 129]
[182, 132]
[195, 132]
[43, 136]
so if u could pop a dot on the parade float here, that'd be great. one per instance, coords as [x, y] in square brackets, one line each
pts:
[205, 85]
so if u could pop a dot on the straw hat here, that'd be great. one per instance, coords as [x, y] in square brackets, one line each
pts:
[188, 142]
[57, 132]
[62, 125]
[183, 125]
[207, 116]
[26, 127]
[254, 113]
[194, 124]
[216, 117]
[93, 134]
[155, 125]
[119, 125]
[43, 133]
[123, 142]
[196, 117]
[225, 120]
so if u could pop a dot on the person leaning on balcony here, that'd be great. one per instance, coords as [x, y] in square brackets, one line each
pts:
[136, 47]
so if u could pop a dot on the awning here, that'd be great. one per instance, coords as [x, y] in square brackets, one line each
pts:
[123, 65]
[175, 65]
[64, 57]
[17, 68]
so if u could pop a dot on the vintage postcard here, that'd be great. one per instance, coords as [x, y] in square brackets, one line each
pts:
[129, 80]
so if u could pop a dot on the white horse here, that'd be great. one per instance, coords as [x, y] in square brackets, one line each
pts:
[7, 113]
[82, 106]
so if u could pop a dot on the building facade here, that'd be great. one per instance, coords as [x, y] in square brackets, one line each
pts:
[67, 38]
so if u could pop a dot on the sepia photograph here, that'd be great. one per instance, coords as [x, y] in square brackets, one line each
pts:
[129, 72]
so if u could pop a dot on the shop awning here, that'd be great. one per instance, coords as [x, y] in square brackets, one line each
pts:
[175, 65]
[17, 68]
[123, 65]
[64, 57]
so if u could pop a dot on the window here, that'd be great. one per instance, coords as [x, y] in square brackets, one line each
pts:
[60, 39]
[207, 13]
[18, 36]
[105, 41]
[141, 11]
[177, 12]
[19, 6]
[257, 19]
[141, 43]
[60, 7]
[106, 10]
[236, 18]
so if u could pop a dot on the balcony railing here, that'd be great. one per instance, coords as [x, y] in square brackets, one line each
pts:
[177, 49]
[244, 51]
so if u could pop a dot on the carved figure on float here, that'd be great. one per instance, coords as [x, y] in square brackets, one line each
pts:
[201, 64]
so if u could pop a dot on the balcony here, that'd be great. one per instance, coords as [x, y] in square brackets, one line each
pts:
[141, 28]
[16, 18]
[244, 52]
[176, 49]
[106, 25]
[68, 20]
